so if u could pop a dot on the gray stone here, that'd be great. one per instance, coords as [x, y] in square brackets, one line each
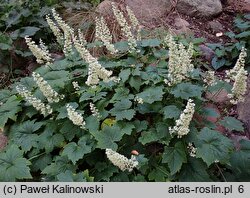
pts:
[216, 26]
[199, 8]
[181, 23]
[243, 109]
[148, 10]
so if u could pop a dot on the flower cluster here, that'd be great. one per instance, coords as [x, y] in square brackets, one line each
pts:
[134, 22]
[45, 109]
[102, 33]
[121, 161]
[231, 74]
[138, 100]
[40, 52]
[209, 78]
[94, 110]
[179, 64]
[239, 76]
[76, 85]
[125, 28]
[181, 127]
[191, 150]
[68, 33]
[81, 38]
[96, 71]
[46, 89]
[75, 117]
[239, 87]
[56, 31]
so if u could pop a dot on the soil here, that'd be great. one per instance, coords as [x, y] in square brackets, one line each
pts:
[199, 26]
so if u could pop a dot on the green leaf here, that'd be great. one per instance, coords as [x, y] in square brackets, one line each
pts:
[48, 140]
[232, 123]
[149, 136]
[159, 174]
[150, 43]
[76, 151]
[240, 160]
[8, 110]
[104, 171]
[135, 82]
[218, 62]
[57, 78]
[39, 163]
[174, 157]
[60, 165]
[107, 137]
[24, 134]
[126, 128]
[213, 146]
[69, 176]
[121, 110]
[124, 75]
[194, 171]
[27, 31]
[243, 34]
[140, 125]
[152, 94]
[171, 111]
[13, 166]
[187, 90]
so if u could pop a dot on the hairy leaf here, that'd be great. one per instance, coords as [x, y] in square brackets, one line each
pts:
[174, 157]
[13, 166]
[213, 146]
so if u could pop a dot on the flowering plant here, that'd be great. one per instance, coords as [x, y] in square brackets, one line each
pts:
[126, 116]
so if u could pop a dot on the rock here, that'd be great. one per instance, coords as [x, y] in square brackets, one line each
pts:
[184, 30]
[145, 10]
[148, 10]
[216, 26]
[199, 8]
[180, 23]
[243, 110]
[218, 97]
[246, 6]
[105, 8]
[207, 52]
[3, 141]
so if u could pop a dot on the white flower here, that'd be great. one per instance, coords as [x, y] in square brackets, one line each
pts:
[138, 100]
[75, 117]
[81, 38]
[121, 161]
[231, 74]
[191, 150]
[134, 22]
[239, 76]
[76, 85]
[68, 33]
[94, 110]
[46, 89]
[45, 109]
[56, 31]
[179, 64]
[125, 28]
[102, 33]
[239, 87]
[95, 71]
[210, 78]
[181, 127]
[41, 53]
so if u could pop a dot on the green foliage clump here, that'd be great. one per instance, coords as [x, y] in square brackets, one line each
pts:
[132, 114]
[226, 54]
